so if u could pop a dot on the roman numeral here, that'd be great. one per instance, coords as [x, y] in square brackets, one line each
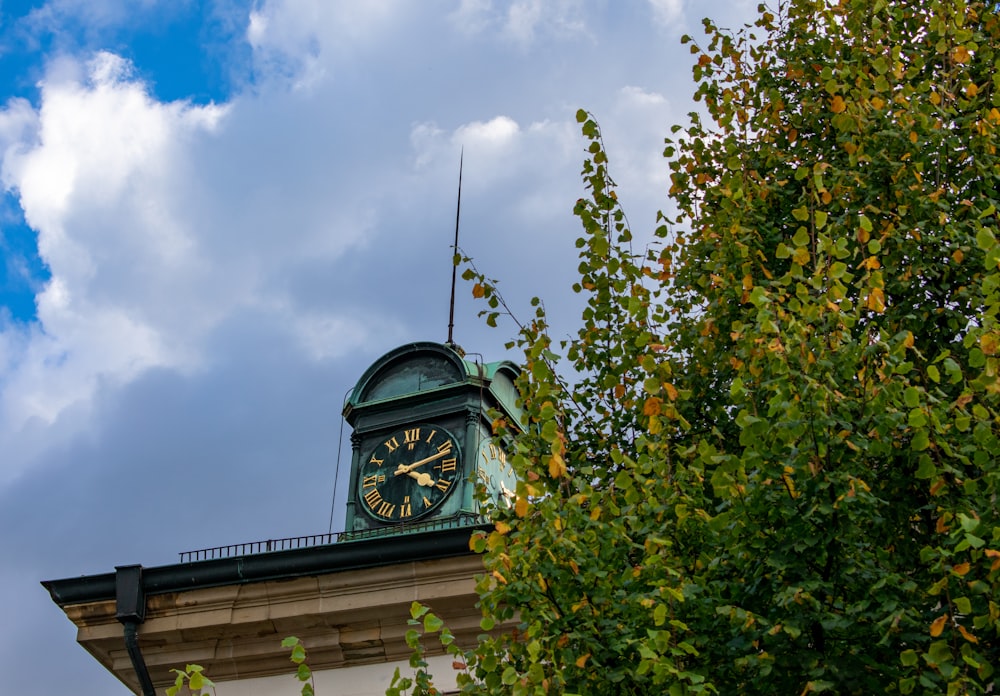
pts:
[375, 461]
[445, 446]
[498, 454]
[411, 435]
[373, 480]
[426, 502]
[449, 464]
[373, 497]
[392, 444]
[386, 508]
[430, 437]
[405, 510]
[442, 485]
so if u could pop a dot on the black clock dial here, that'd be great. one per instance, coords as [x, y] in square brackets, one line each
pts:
[409, 473]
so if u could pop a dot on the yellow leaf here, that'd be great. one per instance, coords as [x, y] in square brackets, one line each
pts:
[582, 660]
[913, 136]
[961, 569]
[671, 391]
[521, 506]
[652, 406]
[877, 103]
[971, 89]
[960, 54]
[619, 391]
[557, 466]
[801, 256]
[502, 527]
[935, 98]
[908, 341]
[837, 105]
[958, 256]
[541, 582]
[876, 300]
[872, 263]
[478, 291]
[574, 566]
[990, 343]
[938, 626]
[968, 636]
[748, 282]
[500, 578]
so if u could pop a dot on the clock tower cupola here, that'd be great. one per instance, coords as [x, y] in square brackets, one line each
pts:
[422, 439]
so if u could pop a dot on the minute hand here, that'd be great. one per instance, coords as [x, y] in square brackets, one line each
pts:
[401, 469]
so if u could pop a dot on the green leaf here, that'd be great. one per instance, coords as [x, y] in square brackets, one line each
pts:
[926, 469]
[432, 623]
[303, 673]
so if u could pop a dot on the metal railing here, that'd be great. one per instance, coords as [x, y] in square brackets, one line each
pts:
[300, 542]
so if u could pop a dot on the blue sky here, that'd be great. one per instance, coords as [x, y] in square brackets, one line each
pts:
[217, 214]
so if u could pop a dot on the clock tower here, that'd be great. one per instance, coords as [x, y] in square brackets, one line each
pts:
[422, 418]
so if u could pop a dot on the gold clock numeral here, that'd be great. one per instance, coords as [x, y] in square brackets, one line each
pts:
[373, 480]
[377, 462]
[391, 444]
[430, 437]
[449, 464]
[405, 510]
[442, 485]
[427, 503]
[411, 435]
[373, 498]
[386, 508]
[497, 454]
[445, 446]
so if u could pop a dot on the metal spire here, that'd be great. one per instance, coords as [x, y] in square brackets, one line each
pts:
[454, 268]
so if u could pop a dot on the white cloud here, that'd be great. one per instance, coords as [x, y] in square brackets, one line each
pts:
[667, 12]
[524, 22]
[91, 180]
[641, 97]
[299, 40]
[497, 132]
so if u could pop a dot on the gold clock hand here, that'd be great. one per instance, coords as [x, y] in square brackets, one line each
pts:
[407, 468]
[423, 478]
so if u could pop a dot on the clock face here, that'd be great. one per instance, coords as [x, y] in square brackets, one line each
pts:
[409, 473]
[496, 474]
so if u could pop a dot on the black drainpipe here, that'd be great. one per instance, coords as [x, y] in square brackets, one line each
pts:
[131, 611]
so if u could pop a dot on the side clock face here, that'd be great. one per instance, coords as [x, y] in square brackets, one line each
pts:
[496, 474]
[410, 473]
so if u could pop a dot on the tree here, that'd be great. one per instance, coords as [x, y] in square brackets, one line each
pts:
[768, 463]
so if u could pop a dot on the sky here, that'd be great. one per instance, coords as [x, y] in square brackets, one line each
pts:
[215, 215]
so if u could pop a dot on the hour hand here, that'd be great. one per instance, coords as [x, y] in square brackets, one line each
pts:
[423, 478]
[407, 468]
